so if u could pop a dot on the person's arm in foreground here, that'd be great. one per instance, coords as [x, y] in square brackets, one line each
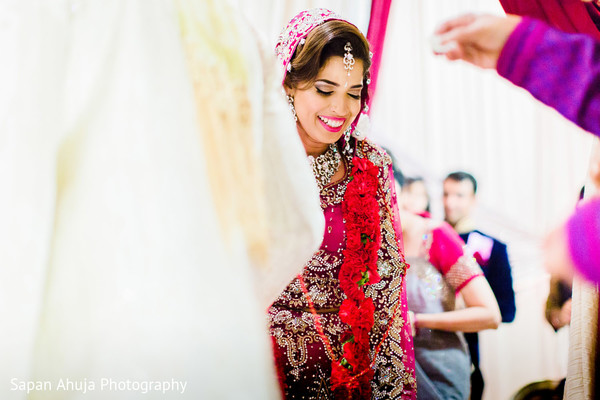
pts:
[560, 69]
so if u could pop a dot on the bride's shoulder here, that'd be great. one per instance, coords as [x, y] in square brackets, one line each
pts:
[375, 154]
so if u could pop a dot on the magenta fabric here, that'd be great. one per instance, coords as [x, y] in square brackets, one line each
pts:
[568, 15]
[446, 248]
[561, 70]
[380, 11]
[583, 230]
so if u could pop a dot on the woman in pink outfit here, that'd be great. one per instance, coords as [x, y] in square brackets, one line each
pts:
[341, 328]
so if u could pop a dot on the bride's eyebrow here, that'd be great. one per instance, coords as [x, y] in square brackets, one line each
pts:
[337, 84]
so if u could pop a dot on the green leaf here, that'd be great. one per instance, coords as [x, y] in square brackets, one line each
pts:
[344, 363]
[364, 280]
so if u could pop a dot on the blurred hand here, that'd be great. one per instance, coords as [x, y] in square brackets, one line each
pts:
[594, 169]
[413, 322]
[565, 313]
[556, 256]
[477, 39]
[561, 317]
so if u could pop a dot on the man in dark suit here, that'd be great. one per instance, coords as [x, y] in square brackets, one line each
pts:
[460, 190]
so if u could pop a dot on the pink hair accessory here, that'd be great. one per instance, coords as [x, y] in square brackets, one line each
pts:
[296, 31]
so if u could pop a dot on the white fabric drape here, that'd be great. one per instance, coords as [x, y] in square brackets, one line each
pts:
[112, 262]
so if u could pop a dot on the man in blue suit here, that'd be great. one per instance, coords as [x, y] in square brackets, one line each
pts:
[460, 190]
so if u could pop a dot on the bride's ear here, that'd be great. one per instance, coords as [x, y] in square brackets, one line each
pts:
[289, 91]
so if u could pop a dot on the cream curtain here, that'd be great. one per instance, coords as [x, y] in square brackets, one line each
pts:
[112, 262]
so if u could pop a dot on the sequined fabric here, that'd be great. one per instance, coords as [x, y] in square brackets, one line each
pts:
[462, 272]
[307, 367]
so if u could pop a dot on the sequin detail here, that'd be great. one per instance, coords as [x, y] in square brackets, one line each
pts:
[463, 270]
[306, 367]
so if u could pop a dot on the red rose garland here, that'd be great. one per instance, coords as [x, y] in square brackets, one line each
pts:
[351, 375]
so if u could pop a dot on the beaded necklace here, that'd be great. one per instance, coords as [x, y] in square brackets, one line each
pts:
[325, 165]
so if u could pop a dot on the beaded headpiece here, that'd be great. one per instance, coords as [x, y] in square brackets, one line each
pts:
[296, 31]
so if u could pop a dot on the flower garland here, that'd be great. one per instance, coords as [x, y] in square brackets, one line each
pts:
[351, 375]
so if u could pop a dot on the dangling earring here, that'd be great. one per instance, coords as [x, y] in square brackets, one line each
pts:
[290, 100]
[347, 148]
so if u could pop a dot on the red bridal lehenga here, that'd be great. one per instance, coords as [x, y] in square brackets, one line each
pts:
[303, 354]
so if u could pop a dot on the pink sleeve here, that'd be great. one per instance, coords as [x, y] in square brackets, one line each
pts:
[446, 248]
[447, 255]
[583, 230]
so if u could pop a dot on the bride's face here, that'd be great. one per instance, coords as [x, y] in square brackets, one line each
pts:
[327, 107]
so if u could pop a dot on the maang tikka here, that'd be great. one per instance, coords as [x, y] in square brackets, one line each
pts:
[348, 65]
[348, 58]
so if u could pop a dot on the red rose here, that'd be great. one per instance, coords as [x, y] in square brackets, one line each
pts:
[371, 246]
[351, 290]
[373, 275]
[352, 268]
[363, 318]
[347, 311]
[363, 188]
[353, 238]
[351, 199]
[347, 336]
[340, 376]
[352, 356]
[359, 164]
[373, 172]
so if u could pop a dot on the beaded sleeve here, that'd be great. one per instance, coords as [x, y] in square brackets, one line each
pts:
[448, 255]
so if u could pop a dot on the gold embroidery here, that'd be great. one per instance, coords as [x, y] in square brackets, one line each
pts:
[294, 329]
[392, 378]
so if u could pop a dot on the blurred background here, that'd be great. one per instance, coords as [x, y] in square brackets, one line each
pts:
[437, 117]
